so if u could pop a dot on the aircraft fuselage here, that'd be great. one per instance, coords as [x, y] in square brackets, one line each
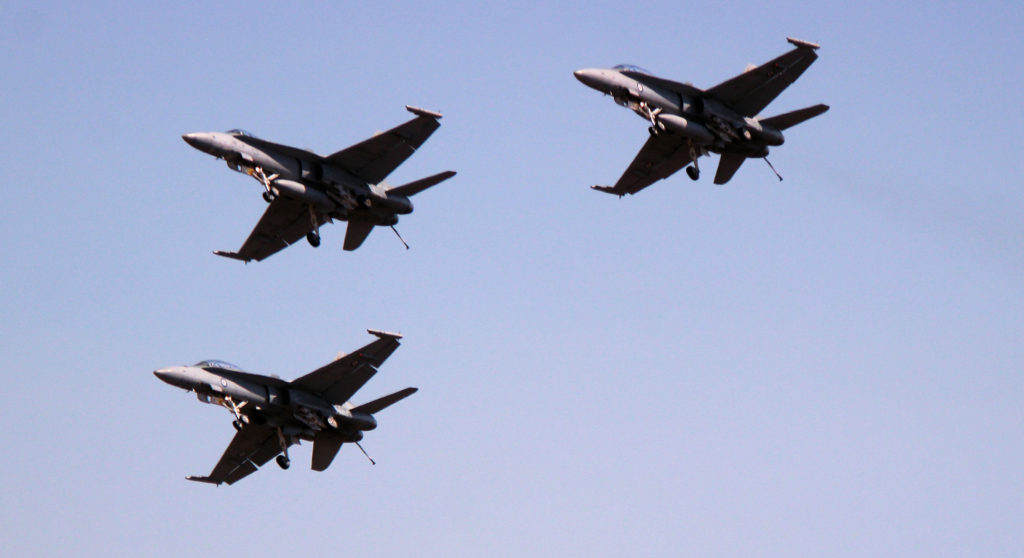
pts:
[708, 123]
[303, 176]
[269, 400]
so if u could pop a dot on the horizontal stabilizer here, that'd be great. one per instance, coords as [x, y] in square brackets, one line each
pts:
[358, 230]
[415, 187]
[325, 446]
[727, 166]
[232, 255]
[790, 119]
[378, 405]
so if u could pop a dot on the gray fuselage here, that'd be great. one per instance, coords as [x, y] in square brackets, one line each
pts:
[303, 176]
[707, 123]
[268, 400]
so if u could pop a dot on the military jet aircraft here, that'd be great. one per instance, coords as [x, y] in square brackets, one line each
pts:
[305, 190]
[687, 122]
[272, 414]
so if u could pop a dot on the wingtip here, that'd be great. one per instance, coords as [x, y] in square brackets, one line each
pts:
[607, 190]
[800, 43]
[384, 334]
[423, 112]
[232, 255]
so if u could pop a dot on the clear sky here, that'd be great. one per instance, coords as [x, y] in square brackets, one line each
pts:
[826, 366]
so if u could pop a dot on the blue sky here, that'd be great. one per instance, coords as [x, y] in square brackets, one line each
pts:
[830, 365]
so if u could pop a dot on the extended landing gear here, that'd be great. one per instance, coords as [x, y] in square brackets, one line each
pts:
[266, 181]
[237, 424]
[282, 460]
[313, 238]
[694, 171]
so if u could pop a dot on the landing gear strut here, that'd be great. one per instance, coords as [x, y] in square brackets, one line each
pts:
[694, 171]
[265, 180]
[282, 460]
[313, 237]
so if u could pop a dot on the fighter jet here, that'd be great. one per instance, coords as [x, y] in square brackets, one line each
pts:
[305, 190]
[687, 122]
[271, 414]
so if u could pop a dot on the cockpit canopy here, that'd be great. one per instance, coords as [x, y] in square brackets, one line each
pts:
[219, 365]
[241, 132]
[631, 68]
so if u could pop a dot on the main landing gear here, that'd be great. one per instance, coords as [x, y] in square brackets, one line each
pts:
[282, 460]
[313, 236]
[694, 171]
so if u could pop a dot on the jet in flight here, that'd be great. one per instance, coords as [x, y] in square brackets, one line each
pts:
[306, 190]
[271, 414]
[688, 122]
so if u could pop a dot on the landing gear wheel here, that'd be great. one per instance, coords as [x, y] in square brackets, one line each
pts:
[268, 197]
[236, 424]
[283, 462]
[652, 131]
[693, 173]
[313, 239]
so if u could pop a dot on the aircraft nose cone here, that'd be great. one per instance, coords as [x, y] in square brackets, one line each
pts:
[173, 375]
[590, 78]
[164, 374]
[193, 139]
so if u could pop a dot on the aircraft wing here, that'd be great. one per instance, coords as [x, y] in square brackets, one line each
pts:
[283, 223]
[249, 450]
[339, 380]
[662, 156]
[751, 91]
[374, 159]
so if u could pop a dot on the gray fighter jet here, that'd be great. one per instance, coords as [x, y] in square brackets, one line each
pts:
[687, 122]
[305, 190]
[272, 414]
